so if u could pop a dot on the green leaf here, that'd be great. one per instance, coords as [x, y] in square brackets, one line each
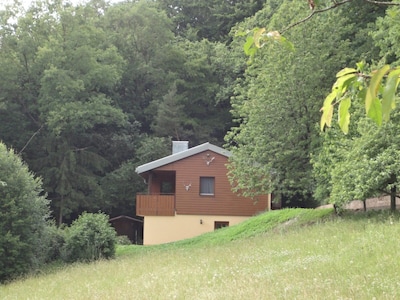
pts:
[241, 32]
[286, 43]
[361, 94]
[257, 36]
[327, 110]
[345, 71]
[388, 95]
[344, 115]
[360, 65]
[248, 47]
[375, 111]
[343, 82]
[372, 91]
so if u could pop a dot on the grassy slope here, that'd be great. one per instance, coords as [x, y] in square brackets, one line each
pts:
[271, 256]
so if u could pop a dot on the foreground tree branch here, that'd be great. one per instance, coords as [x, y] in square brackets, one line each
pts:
[378, 106]
[383, 3]
[335, 5]
[314, 12]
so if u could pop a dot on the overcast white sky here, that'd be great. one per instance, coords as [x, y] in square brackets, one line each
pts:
[27, 3]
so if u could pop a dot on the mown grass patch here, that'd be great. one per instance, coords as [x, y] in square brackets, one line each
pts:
[254, 226]
[346, 257]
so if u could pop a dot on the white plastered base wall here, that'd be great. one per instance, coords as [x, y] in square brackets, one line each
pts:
[159, 230]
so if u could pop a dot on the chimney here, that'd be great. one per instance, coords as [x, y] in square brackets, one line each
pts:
[179, 146]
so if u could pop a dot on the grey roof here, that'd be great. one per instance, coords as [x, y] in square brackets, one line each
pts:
[125, 217]
[181, 155]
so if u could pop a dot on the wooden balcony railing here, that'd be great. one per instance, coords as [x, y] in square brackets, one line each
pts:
[155, 205]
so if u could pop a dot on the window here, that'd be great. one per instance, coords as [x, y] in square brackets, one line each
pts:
[220, 224]
[167, 187]
[207, 186]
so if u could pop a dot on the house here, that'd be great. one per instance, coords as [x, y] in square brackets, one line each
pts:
[131, 227]
[189, 194]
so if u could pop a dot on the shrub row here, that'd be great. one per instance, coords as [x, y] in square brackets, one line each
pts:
[27, 239]
[89, 238]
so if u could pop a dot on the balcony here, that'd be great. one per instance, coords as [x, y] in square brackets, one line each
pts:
[155, 205]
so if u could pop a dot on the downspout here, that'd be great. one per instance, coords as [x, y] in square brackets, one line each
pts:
[269, 201]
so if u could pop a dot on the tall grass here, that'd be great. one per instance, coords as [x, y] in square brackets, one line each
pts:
[271, 256]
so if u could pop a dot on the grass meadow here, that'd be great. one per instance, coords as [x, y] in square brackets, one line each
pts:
[287, 254]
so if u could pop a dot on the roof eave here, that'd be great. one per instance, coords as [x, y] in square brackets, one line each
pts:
[181, 155]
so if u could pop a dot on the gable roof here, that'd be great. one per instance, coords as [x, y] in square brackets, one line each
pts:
[181, 155]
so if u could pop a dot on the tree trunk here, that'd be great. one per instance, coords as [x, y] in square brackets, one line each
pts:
[393, 198]
[60, 212]
[365, 205]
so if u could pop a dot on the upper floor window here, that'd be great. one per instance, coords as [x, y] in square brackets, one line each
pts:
[207, 185]
[167, 187]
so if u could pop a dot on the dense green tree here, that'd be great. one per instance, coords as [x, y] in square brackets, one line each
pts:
[168, 121]
[212, 20]
[157, 62]
[378, 105]
[122, 184]
[84, 89]
[204, 87]
[143, 36]
[120, 187]
[387, 37]
[277, 105]
[66, 74]
[24, 211]
[80, 84]
[362, 164]
[370, 165]
[19, 79]
[152, 148]
[82, 69]
[333, 150]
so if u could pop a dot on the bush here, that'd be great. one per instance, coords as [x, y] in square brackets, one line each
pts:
[55, 241]
[89, 238]
[123, 240]
[23, 218]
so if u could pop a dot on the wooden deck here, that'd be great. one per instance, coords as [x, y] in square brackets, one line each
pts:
[155, 205]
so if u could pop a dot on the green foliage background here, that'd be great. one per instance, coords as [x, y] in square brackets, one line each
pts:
[277, 105]
[24, 211]
[90, 91]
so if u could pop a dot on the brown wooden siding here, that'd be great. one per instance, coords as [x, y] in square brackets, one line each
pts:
[155, 205]
[209, 164]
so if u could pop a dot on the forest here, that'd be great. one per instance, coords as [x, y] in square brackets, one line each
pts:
[90, 91]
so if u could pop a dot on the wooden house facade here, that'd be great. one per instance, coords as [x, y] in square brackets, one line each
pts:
[189, 194]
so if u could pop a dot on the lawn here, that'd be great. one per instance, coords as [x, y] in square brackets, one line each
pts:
[288, 254]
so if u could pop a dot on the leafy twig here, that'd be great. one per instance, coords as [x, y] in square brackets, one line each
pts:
[314, 12]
